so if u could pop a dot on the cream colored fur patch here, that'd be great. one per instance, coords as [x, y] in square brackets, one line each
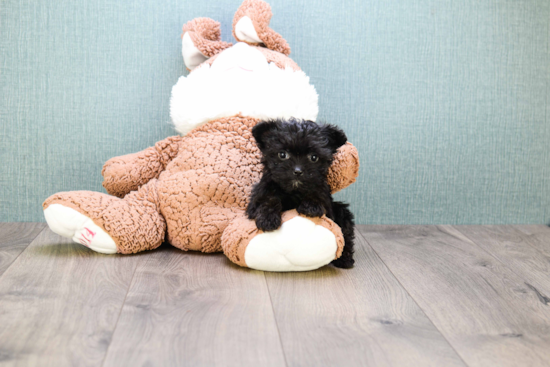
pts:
[244, 85]
[299, 245]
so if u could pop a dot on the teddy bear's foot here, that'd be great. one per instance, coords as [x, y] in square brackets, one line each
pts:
[300, 244]
[67, 222]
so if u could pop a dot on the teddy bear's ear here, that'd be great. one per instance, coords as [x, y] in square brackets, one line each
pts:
[251, 25]
[335, 137]
[261, 131]
[201, 39]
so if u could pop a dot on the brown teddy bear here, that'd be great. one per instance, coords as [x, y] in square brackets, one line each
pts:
[192, 190]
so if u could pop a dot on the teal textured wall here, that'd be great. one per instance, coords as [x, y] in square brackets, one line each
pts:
[447, 101]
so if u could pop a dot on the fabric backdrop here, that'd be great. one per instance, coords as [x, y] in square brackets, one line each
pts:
[447, 101]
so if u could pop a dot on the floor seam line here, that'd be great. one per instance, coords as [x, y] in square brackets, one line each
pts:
[522, 278]
[17, 257]
[275, 319]
[414, 300]
[490, 254]
[120, 312]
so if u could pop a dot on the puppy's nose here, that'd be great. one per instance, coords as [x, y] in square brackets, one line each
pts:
[298, 171]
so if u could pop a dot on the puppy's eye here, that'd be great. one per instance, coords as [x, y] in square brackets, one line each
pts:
[284, 156]
[314, 158]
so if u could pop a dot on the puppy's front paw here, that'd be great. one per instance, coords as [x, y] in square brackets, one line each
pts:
[310, 209]
[251, 211]
[268, 222]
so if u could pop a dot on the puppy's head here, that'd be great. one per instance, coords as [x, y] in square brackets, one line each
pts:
[297, 153]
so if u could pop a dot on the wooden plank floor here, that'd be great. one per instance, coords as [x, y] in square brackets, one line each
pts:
[418, 296]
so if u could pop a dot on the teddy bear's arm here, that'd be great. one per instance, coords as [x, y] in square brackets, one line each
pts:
[129, 172]
[344, 169]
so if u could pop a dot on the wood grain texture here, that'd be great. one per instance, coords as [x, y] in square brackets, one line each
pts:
[14, 238]
[59, 303]
[488, 314]
[538, 236]
[517, 251]
[193, 309]
[418, 296]
[358, 317]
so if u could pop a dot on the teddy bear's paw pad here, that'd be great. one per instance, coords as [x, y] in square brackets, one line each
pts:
[68, 222]
[299, 245]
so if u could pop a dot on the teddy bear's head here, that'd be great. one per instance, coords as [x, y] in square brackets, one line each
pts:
[254, 78]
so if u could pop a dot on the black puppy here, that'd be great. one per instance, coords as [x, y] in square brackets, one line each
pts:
[296, 156]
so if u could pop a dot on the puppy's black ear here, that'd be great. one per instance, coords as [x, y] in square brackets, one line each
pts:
[261, 131]
[335, 136]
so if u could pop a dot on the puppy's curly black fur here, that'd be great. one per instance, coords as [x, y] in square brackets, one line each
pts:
[296, 156]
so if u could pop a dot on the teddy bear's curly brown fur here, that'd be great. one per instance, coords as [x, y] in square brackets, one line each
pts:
[188, 187]
[192, 190]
